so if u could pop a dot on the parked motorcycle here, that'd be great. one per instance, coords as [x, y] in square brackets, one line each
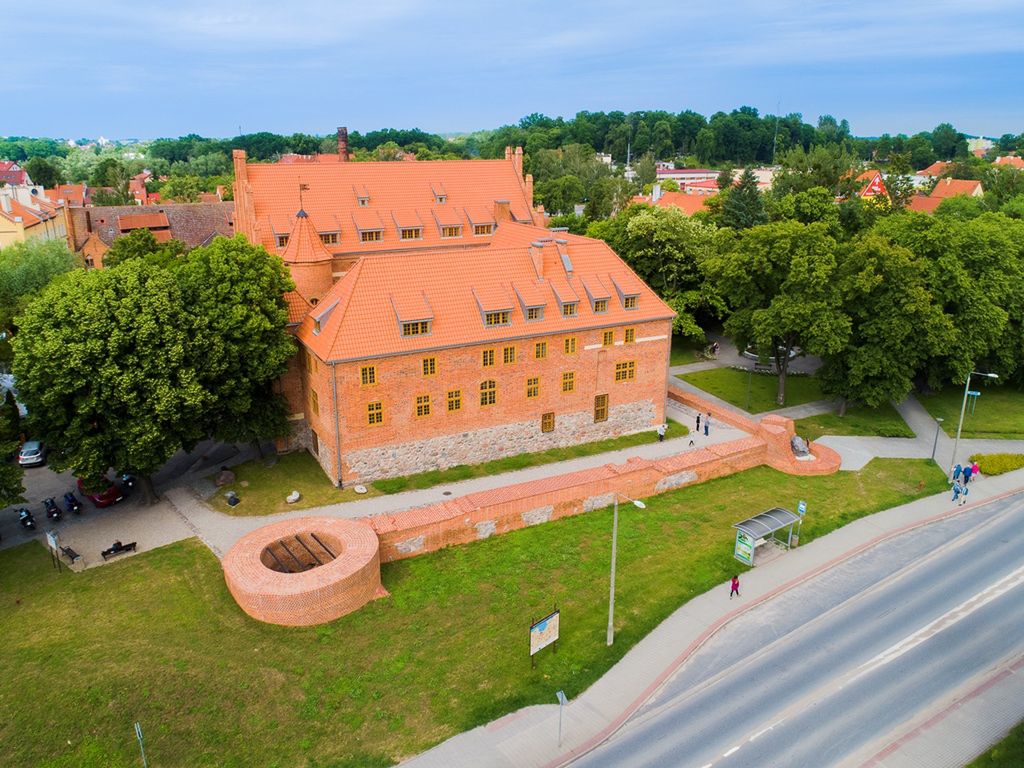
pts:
[26, 520]
[127, 482]
[72, 504]
[52, 510]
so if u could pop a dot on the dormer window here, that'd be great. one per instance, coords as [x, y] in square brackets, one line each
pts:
[569, 309]
[440, 195]
[411, 233]
[451, 231]
[440, 199]
[503, 317]
[535, 313]
[329, 238]
[416, 328]
[483, 229]
[371, 236]
[282, 241]
[630, 302]
[363, 201]
[316, 326]
[600, 306]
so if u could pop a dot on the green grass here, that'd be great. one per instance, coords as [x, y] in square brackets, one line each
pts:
[263, 489]
[522, 460]
[884, 421]
[158, 639]
[730, 384]
[1008, 753]
[998, 463]
[998, 412]
[686, 351]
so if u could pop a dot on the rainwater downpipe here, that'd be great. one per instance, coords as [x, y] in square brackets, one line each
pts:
[337, 422]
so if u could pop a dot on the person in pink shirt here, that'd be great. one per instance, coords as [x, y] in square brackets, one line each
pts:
[735, 587]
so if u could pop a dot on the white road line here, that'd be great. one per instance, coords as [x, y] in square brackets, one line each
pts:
[706, 765]
[946, 620]
[731, 751]
[762, 732]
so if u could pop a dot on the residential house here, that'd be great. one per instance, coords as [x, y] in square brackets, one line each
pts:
[870, 184]
[12, 174]
[687, 203]
[26, 214]
[945, 189]
[72, 195]
[1010, 161]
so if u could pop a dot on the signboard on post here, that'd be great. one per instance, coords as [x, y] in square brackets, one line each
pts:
[544, 632]
[744, 549]
[801, 508]
[51, 541]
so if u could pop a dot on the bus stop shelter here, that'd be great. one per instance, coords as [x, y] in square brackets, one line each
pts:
[760, 529]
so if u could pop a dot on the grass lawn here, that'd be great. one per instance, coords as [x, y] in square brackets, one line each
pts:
[685, 351]
[263, 489]
[730, 384]
[1008, 753]
[998, 412]
[157, 638]
[521, 461]
[884, 421]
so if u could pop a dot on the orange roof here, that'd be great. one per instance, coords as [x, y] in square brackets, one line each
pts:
[436, 193]
[30, 217]
[304, 245]
[688, 204]
[953, 187]
[1011, 160]
[923, 204]
[298, 307]
[71, 194]
[143, 221]
[935, 169]
[873, 184]
[361, 316]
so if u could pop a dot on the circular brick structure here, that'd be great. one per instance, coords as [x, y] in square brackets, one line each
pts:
[306, 571]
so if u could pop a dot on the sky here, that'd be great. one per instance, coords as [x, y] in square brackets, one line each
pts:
[216, 67]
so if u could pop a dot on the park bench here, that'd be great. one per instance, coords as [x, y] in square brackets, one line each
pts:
[117, 549]
[70, 554]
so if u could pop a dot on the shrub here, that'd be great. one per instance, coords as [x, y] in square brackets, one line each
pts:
[998, 463]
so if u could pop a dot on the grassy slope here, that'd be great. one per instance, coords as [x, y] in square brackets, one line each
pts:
[859, 420]
[157, 638]
[730, 384]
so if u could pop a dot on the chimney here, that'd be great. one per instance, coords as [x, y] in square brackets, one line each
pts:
[342, 144]
[656, 193]
[502, 211]
[88, 221]
[529, 189]
[518, 160]
[5, 203]
[508, 153]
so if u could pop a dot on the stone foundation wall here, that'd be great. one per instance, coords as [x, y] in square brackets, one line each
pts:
[491, 443]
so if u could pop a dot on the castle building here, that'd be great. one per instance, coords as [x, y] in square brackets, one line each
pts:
[440, 323]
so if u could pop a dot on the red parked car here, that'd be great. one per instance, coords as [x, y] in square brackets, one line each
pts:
[105, 498]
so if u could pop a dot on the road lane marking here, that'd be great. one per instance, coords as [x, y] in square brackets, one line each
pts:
[763, 731]
[706, 765]
[946, 620]
[731, 751]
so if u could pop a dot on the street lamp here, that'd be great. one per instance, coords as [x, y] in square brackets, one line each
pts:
[963, 409]
[615, 540]
[935, 442]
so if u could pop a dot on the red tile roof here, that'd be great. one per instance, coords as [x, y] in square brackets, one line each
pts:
[361, 316]
[72, 194]
[953, 187]
[143, 221]
[304, 245]
[1011, 160]
[872, 183]
[688, 204]
[923, 204]
[935, 169]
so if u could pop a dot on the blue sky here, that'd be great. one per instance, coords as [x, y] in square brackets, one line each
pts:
[143, 69]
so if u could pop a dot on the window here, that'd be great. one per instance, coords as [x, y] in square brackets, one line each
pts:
[488, 392]
[488, 358]
[569, 310]
[440, 199]
[451, 231]
[547, 422]
[483, 229]
[629, 302]
[375, 413]
[497, 318]
[423, 405]
[607, 338]
[540, 350]
[316, 325]
[630, 335]
[282, 241]
[329, 238]
[455, 400]
[509, 355]
[429, 366]
[600, 408]
[600, 305]
[368, 375]
[532, 387]
[625, 371]
[311, 363]
[416, 328]
[535, 313]
[371, 236]
[363, 201]
[314, 402]
[410, 233]
[568, 381]
[570, 345]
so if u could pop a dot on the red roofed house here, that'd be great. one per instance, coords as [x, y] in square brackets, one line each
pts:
[1013, 161]
[944, 189]
[27, 214]
[72, 195]
[12, 174]
[935, 169]
[688, 204]
[440, 323]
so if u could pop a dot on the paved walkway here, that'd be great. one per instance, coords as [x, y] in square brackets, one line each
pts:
[528, 738]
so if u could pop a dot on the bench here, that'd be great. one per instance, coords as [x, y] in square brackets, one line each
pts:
[70, 554]
[117, 549]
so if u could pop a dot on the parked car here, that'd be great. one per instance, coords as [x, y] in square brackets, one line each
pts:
[104, 498]
[32, 454]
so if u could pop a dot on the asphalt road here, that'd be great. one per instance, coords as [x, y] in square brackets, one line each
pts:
[819, 676]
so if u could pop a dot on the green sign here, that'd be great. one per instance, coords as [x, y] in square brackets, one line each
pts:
[744, 551]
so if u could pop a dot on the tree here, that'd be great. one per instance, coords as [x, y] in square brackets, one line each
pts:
[560, 195]
[608, 196]
[661, 140]
[778, 280]
[705, 145]
[646, 171]
[896, 324]
[25, 269]
[183, 189]
[948, 142]
[830, 167]
[11, 489]
[899, 184]
[43, 172]
[142, 244]
[960, 207]
[744, 207]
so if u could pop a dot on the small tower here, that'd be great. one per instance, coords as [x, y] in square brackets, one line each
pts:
[309, 262]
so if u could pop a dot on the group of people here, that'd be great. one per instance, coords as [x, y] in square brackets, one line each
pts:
[961, 479]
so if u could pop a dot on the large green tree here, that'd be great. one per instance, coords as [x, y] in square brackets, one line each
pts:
[744, 205]
[25, 269]
[44, 172]
[11, 489]
[779, 282]
[142, 244]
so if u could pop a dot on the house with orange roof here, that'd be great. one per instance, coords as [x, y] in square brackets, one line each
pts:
[12, 174]
[688, 204]
[1010, 161]
[27, 214]
[440, 323]
[870, 184]
[72, 195]
[945, 189]
[935, 170]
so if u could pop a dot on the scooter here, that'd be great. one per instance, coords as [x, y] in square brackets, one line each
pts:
[127, 482]
[27, 521]
[52, 510]
[72, 504]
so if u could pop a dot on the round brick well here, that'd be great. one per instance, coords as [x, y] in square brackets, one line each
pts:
[305, 571]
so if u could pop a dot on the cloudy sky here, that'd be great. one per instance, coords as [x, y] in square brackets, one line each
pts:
[142, 69]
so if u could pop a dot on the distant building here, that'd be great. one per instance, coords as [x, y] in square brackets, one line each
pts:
[1010, 161]
[687, 175]
[13, 174]
[945, 189]
[27, 214]
[935, 170]
[72, 195]
[870, 184]
[687, 203]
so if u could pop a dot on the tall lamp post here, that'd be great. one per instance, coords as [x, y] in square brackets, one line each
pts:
[935, 442]
[615, 540]
[963, 409]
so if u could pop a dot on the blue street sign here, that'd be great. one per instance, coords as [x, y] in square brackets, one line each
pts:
[801, 508]
[974, 393]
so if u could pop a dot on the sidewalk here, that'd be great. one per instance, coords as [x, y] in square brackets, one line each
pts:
[528, 738]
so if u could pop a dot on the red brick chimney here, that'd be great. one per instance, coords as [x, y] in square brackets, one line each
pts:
[502, 211]
[342, 144]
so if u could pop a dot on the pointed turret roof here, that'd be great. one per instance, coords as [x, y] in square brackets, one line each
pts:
[304, 245]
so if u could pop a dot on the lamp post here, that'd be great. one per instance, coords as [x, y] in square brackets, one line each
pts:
[615, 540]
[935, 442]
[963, 409]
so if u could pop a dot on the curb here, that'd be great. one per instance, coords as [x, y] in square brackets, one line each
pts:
[599, 738]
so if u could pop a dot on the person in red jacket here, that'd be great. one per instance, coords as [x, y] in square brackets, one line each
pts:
[735, 587]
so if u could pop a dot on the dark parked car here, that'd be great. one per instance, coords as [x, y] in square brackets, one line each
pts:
[103, 498]
[32, 454]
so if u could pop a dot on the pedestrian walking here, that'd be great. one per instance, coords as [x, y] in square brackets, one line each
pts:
[661, 432]
[735, 591]
[707, 424]
[698, 421]
[957, 489]
[956, 472]
[975, 470]
[963, 495]
[968, 471]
